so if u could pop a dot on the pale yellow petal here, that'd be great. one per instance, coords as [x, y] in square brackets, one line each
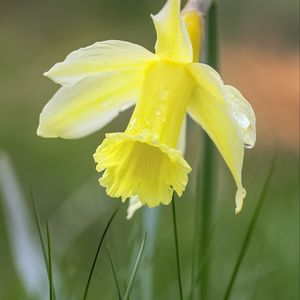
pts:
[209, 106]
[89, 105]
[99, 58]
[173, 42]
[134, 205]
[242, 114]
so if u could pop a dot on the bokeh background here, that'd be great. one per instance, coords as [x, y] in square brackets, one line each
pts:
[259, 54]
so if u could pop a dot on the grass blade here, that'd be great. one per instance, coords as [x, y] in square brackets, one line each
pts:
[97, 254]
[50, 277]
[177, 249]
[120, 296]
[38, 225]
[249, 232]
[134, 271]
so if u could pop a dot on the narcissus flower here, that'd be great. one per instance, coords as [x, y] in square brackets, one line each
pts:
[107, 77]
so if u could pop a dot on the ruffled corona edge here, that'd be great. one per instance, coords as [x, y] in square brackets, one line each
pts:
[138, 165]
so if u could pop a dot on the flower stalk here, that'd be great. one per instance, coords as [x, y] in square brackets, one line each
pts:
[208, 179]
[201, 6]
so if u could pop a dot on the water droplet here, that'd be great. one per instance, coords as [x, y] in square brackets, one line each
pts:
[158, 112]
[132, 122]
[244, 193]
[248, 146]
[105, 104]
[163, 94]
[242, 120]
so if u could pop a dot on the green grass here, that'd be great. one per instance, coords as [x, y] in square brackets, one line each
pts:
[134, 271]
[97, 255]
[120, 294]
[249, 232]
[50, 272]
[177, 249]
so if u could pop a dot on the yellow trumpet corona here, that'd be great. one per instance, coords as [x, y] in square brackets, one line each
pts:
[143, 160]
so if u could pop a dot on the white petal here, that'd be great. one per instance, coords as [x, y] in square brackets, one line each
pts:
[89, 105]
[134, 205]
[99, 58]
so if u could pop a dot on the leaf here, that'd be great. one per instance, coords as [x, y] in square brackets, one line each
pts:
[250, 229]
[50, 277]
[135, 268]
[25, 249]
[177, 249]
[97, 254]
[114, 273]
[38, 225]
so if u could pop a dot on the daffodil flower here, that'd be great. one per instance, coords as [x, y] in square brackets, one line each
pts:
[107, 77]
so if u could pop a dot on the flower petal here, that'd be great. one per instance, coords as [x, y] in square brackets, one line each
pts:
[173, 42]
[134, 205]
[195, 27]
[134, 201]
[219, 115]
[99, 58]
[242, 114]
[89, 105]
[125, 159]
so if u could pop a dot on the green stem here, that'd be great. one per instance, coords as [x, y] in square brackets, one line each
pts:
[212, 37]
[206, 209]
[177, 249]
[208, 178]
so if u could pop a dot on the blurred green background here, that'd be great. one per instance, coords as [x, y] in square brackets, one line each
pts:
[259, 55]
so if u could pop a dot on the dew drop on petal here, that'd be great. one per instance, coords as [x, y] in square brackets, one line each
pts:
[163, 94]
[157, 112]
[242, 114]
[242, 120]
[248, 146]
[133, 122]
